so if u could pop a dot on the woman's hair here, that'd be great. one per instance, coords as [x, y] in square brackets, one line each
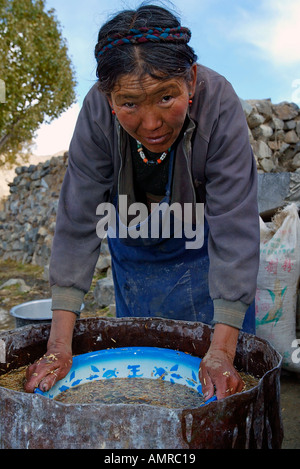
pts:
[161, 59]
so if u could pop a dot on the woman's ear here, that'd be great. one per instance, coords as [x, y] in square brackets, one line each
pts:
[109, 100]
[111, 104]
[193, 81]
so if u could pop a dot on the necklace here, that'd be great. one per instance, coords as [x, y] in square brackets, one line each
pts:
[145, 159]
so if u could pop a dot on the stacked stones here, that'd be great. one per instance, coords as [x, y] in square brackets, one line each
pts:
[27, 222]
[274, 132]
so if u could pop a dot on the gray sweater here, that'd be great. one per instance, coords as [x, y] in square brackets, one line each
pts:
[214, 164]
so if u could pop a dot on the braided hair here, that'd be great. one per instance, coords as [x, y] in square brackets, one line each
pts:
[146, 41]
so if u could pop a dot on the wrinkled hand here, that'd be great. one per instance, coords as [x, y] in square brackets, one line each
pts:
[49, 369]
[57, 362]
[217, 370]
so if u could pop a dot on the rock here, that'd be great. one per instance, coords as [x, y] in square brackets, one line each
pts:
[267, 165]
[109, 273]
[251, 138]
[296, 161]
[263, 131]
[112, 310]
[290, 125]
[255, 119]
[17, 246]
[296, 149]
[263, 106]
[291, 137]
[286, 111]
[104, 292]
[16, 281]
[104, 261]
[48, 240]
[44, 183]
[35, 175]
[42, 231]
[274, 145]
[283, 147]
[3, 315]
[261, 150]
[247, 108]
[46, 273]
[278, 124]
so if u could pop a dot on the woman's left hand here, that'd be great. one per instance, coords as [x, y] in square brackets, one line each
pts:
[216, 368]
[217, 371]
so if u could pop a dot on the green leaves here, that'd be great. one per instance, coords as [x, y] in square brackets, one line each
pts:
[38, 74]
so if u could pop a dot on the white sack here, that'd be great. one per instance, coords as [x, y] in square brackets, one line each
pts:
[277, 285]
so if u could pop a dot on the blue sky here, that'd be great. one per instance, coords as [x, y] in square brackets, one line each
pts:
[254, 43]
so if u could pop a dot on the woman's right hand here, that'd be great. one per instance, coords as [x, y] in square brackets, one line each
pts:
[49, 369]
[57, 361]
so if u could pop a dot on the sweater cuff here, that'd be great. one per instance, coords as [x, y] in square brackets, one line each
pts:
[228, 312]
[67, 299]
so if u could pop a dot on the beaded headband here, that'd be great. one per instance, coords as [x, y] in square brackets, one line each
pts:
[177, 35]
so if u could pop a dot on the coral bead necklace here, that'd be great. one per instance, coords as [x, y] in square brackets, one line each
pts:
[145, 159]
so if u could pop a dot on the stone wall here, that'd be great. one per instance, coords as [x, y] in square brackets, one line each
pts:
[274, 132]
[27, 222]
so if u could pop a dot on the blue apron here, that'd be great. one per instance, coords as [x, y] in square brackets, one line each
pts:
[159, 277]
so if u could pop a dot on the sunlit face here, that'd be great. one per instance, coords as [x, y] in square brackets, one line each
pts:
[152, 111]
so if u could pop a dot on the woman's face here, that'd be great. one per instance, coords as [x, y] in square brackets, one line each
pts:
[152, 111]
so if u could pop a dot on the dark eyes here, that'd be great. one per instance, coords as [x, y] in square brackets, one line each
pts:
[129, 105]
[166, 99]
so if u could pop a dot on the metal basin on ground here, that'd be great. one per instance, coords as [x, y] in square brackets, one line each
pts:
[250, 419]
[32, 312]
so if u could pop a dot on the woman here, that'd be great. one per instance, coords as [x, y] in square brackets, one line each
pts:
[158, 128]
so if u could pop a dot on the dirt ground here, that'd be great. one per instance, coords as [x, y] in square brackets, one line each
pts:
[39, 289]
[34, 277]
[290, 408]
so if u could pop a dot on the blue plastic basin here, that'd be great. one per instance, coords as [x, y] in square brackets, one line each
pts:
[131, 362]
